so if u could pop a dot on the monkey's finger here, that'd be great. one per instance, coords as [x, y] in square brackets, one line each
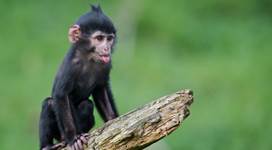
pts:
[80, 145]
[83, 139]
[76, 146]
[86, 135]
[73, 147]
[70, 147]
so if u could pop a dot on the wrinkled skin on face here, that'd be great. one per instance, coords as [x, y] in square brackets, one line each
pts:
[99, 42]
[102, 43]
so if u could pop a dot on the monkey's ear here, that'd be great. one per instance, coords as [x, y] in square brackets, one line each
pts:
[74, 33]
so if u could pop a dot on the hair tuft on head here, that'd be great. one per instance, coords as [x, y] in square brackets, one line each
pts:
[96, 8]
[94, 20]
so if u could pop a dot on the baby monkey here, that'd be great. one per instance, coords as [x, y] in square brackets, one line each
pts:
[67, 115]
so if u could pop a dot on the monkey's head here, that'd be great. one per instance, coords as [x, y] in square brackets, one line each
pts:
[95, 34]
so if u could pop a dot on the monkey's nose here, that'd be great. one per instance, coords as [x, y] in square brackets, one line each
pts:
[106, 49]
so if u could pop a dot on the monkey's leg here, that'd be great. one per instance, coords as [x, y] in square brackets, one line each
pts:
[84, 121]
[48, 128]
[85, 116]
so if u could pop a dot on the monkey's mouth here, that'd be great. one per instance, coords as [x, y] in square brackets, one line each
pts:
[105, 58]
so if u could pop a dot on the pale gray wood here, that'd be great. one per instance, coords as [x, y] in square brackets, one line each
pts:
[143, 126]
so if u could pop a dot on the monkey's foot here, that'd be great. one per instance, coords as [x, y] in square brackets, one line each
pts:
[58, 146]
[79, 142]
[55, 147]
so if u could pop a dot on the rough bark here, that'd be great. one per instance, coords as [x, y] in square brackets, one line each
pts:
[143, 126]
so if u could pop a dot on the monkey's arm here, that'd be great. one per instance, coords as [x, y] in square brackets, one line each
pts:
[65, 118]
[62, 86]
[104, 102]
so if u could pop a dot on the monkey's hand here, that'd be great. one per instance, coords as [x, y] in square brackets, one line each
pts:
[79, 142]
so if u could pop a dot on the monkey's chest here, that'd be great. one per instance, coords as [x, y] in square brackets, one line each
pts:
[86, 84]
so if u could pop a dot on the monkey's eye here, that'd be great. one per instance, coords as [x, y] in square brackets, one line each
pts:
[110, 38]
[99, 38]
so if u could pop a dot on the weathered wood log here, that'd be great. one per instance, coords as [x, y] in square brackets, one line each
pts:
[143, 126]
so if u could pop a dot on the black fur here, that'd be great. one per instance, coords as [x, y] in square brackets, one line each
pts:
[69, 112]
[95, 20]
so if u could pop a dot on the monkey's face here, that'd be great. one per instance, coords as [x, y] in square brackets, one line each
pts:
[102, 44]
[98, 44]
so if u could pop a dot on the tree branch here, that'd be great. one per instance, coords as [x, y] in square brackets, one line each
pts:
[143, 126]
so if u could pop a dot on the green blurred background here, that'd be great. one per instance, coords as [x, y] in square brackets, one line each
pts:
[220, 49]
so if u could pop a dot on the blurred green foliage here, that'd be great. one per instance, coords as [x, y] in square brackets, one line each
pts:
[220, 49]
